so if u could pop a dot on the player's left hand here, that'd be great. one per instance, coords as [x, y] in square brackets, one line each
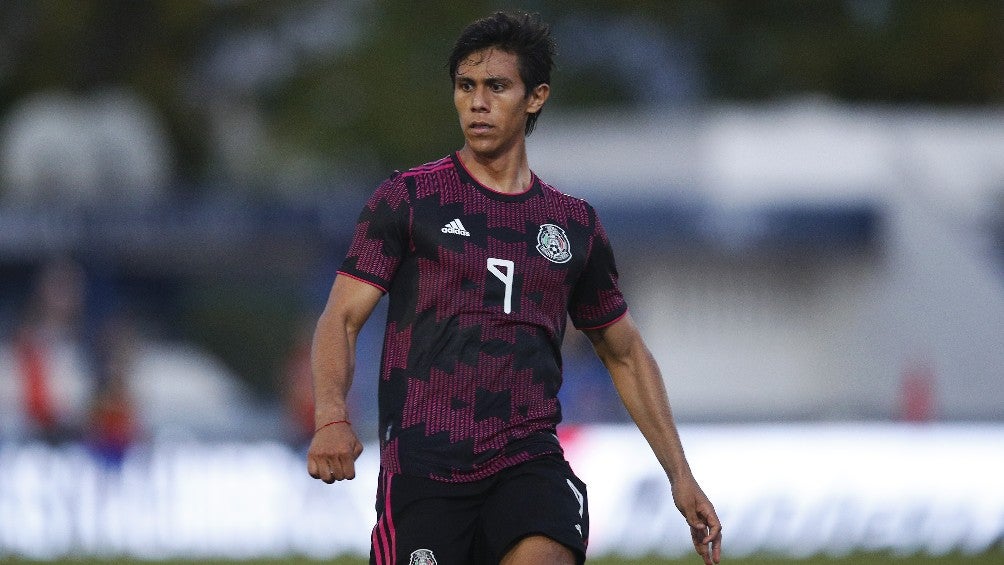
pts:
[705, 527]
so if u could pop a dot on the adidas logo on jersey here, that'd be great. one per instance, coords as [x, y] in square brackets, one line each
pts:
[455, 227]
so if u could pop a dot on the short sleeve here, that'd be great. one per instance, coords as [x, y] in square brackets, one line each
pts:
[380, 239]
[596, 299]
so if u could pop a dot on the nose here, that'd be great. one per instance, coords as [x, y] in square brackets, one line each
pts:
[479, 99]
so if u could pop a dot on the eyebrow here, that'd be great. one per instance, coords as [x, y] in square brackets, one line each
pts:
[489, 79]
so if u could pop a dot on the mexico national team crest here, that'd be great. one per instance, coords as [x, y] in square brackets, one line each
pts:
[422, 557]
[553, 244]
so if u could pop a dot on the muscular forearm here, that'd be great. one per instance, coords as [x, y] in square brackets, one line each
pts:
[334, 348]
[334, 448]
[333, 364]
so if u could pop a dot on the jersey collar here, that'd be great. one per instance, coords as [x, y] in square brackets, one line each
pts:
[467, 178]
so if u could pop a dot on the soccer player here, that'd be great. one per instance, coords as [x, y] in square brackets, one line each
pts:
[483, 262]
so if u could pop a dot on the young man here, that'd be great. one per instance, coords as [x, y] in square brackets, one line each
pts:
[483, 263]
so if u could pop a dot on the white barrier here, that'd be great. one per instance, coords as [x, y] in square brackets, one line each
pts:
[787, 489]
[799, 490]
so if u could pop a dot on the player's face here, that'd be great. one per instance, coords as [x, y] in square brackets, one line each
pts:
[492, 103]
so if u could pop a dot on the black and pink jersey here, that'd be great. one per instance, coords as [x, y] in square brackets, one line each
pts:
[480, 286]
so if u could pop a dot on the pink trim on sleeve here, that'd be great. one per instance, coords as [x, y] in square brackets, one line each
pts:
[610, 323]
[362, 280]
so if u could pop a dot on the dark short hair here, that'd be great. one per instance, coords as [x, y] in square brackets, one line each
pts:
[523, 35]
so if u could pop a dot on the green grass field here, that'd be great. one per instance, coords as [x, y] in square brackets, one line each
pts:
[996, 557]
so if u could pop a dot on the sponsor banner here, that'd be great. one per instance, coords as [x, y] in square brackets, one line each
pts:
[800, 490]
[788, 489]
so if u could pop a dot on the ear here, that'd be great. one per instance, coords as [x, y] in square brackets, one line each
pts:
[537, 97]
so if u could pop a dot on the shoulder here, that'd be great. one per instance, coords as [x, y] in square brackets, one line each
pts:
[391, 192]
[429, 168]
[577, 207]
[550, 191]
[397, 187]
[398, 179]
[433, 177]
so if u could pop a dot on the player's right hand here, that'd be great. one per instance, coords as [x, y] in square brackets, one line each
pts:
[333, 452]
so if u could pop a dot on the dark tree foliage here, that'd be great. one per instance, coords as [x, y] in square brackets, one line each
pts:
[381, 98]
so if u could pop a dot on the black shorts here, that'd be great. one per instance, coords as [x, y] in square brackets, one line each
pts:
[422, 521]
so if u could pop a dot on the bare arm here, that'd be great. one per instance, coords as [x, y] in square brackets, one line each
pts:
[640, 385]
[334, 448]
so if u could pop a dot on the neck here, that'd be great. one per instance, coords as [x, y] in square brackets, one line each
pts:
[508, 173]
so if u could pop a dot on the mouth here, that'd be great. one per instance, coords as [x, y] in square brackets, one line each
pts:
[480, 127]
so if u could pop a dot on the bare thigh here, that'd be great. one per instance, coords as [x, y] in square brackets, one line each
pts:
[533, 550]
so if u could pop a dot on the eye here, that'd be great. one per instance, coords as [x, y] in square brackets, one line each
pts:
[498, 85]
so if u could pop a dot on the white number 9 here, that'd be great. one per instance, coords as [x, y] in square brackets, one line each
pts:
[506, 278]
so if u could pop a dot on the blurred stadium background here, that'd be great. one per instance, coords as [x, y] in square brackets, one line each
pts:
[806, 199]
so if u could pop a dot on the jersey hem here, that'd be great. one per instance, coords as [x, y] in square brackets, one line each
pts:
[605, 324]
[363, 280]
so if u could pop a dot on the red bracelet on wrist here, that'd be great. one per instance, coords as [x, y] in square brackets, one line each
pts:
[331, 423]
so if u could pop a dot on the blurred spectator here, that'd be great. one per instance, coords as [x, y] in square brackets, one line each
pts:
[917, 392]
[46, 381]
[112, 425]
[297, 390]
[115, 386]
[297, 386]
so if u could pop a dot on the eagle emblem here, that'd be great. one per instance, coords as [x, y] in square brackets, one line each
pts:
[422, 557]
[553, 244]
